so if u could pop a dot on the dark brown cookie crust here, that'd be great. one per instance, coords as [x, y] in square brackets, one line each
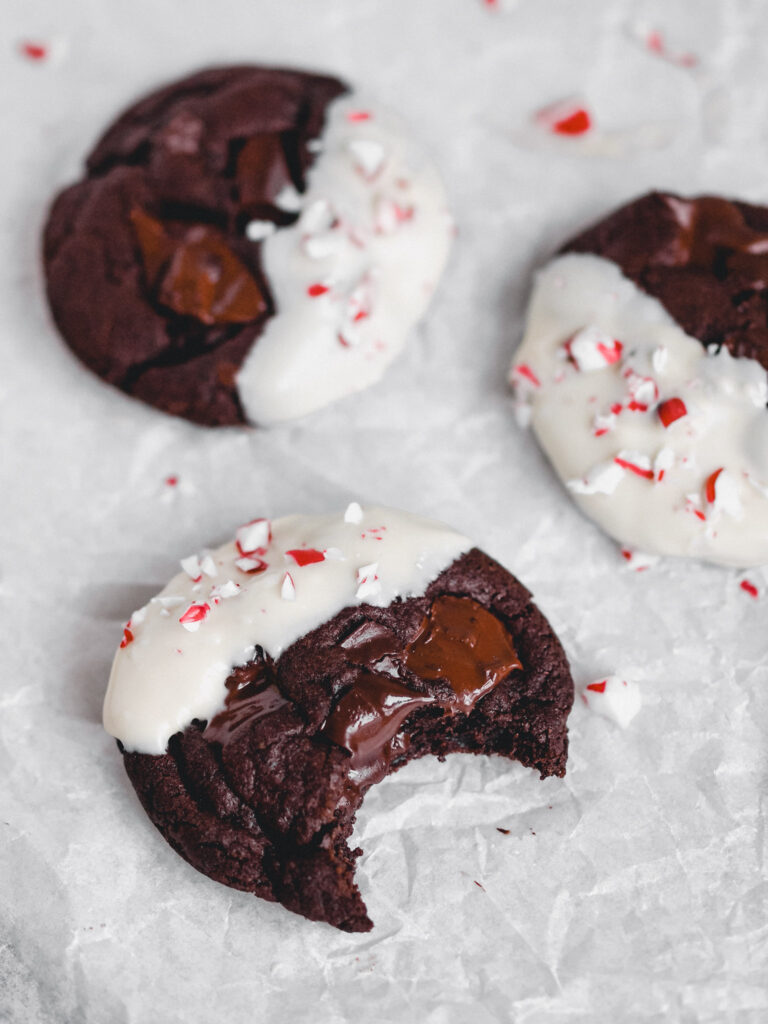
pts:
[271, 811]
[175, 155]
[705, 259]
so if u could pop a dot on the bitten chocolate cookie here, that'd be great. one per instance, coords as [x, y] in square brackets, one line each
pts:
[643, 373]
[261, 694]
[248, 245]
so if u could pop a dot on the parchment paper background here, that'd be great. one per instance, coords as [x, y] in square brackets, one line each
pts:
[635, 889]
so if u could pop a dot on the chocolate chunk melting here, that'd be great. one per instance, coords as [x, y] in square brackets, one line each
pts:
[197, 274]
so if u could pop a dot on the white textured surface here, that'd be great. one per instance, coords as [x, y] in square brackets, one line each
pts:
[374, 231]
[596, 404]
[633, 890]
[166, 673]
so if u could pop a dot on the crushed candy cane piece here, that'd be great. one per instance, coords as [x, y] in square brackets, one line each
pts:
[191, 566]
[523, 372]
[566, 117]
[258, 230]
[614, 698]
[33, 51]
[368, 156]
[288, 588]
[746, 585]
[288, 199]
[305, 556]
[359, 115]
[128, 636]
[592, 349]
[635, 462]
[194, 616]
[251, 564]
[603, 478]
[389, 215]
[368, 581]
[603, 423]
[225, 590]
[354, 513]
[322, 245]
[315, 290]
[639, 561]
[254, 537]
[660, 358]
[663, 462]
[721, 491]
[643, 392]
[672, 410]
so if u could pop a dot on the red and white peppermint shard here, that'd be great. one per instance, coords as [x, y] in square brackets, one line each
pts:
[567, 117]
[368, 156]
[288, 588]
[368, 584]
[194, 616]
[671, 410]
[592, 349]
[721, 491]
[636, 463]
[305, 556]
[643, 392]
[254, 537]
[614, 698]
[250, 564]
[225, 590]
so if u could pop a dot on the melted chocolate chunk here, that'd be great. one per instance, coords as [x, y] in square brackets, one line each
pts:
[704, 259]
[367, 720]
[196, 274]
[461, 642]
[251, 694]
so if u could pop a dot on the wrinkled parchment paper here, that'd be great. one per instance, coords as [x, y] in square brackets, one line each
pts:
[633, 890]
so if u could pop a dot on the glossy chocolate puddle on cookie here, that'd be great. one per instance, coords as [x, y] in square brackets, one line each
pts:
[458, 642]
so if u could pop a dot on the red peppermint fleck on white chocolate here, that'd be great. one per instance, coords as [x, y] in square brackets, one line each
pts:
[638, 561]
[250, 564]
[603, 478]
[671, 410]
[523, 372]
[315, 290]
[746, 585]
[128, 636]
[194, 616]
[567, 117]
[614, 698]
[368, 157]
[693, 505]
[288, 588]
[359, 115]
[171, 481]
[592, 349]
[353, 513]
[368, 584]
[305, 556]
[635, 462]
[254, 537]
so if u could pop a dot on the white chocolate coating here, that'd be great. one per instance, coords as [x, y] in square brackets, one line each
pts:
[698, 486]
[353, 275]
[178, 650]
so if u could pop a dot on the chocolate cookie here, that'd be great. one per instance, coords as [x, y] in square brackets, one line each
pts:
[643, 371]
[248, 245]
[261, 694]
